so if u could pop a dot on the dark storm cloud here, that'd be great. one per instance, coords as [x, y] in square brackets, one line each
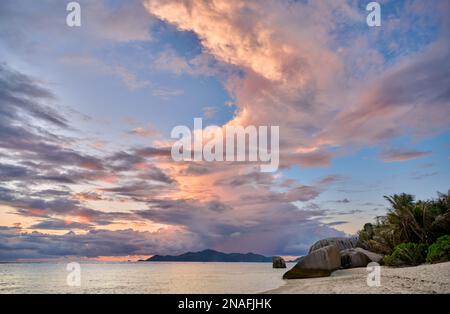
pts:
[155, 174]
[138, 160]
[153, 152]
[8, 172]
[16, 244]
[26, 107]
[20, 94]
[39, 157]
[124, 161]
[127, 160]
[34, 174]
[50, 204]
[198, 217]
[52, 193]
[280, 226]
[140, 191]
[6, 195]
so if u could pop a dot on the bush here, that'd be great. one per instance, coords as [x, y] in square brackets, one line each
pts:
[407, 254]
[439, 251]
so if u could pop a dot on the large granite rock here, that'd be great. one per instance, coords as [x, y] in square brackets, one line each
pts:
[320, 263]
[352, 259]
[374, 257]
[358, 257]
[339, 243]
[278, 262]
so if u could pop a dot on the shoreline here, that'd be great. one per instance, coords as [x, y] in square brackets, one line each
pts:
[426, 278]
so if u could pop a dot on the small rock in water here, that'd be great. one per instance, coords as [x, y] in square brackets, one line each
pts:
[278, 262]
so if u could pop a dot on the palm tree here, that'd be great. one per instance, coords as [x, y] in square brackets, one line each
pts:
[408, 221]
[404, 219]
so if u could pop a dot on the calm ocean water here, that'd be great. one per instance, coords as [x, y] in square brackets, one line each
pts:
[141, 278]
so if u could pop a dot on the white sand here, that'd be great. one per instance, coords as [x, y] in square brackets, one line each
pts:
[420, 279]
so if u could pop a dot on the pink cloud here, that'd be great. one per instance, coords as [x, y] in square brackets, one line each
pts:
[313, 92]
[397, 155]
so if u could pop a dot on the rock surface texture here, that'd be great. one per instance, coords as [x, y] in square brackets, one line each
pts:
[322, 262]
[340, 243]
[328, 255]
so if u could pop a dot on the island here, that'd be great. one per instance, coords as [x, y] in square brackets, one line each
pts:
[211, 256]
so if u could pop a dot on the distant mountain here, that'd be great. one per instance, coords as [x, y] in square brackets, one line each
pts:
[212, 256]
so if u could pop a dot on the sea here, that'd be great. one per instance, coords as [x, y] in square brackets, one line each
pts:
[139, 277]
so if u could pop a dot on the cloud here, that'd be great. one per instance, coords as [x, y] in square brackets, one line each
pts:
[21, 94]
[337, 223]
[144, 132]
[30, 125]
[396, 155]
[344, 201]
[55, 206]
[194, 198]
[58, 224]
[8, 172]
[14, 243]
[402, 100]
[292, 76]
[294, 73]
[267, 227]
[26, 115]
[289, 68]
[213, 217]
[101, 22]
[330, 179]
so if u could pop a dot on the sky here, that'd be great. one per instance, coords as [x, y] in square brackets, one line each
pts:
[86, 115]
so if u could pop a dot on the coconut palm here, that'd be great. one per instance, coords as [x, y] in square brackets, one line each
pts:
[408, 221]
[406, 218]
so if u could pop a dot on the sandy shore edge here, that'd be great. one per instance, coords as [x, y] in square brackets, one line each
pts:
[428, 278]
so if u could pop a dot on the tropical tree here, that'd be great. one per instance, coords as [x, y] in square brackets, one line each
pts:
[408, 221]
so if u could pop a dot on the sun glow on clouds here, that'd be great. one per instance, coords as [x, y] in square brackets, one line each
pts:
[283, 64]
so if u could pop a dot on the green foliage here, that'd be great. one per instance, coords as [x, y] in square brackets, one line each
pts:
[407, 254]
[440, 250]
[408, 221]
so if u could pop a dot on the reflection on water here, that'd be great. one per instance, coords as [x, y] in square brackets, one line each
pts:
[141, 278]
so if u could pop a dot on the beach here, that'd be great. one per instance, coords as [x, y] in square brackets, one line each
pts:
[430, 278]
